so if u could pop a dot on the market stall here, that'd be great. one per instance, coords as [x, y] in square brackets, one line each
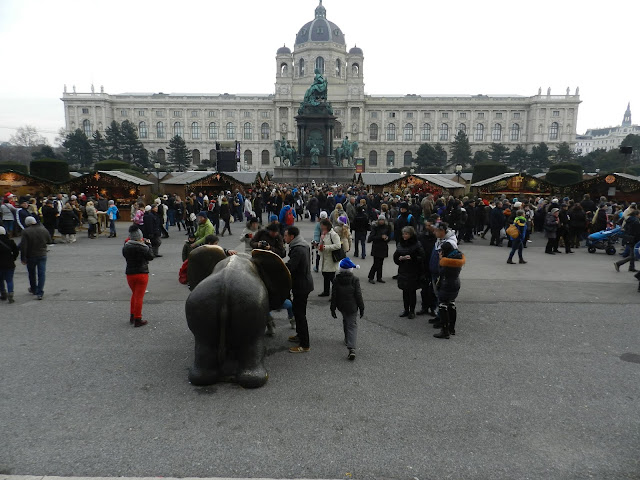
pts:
[21, 184]
[399, 184]
[207, 182]
[513, 185]
[620, 187]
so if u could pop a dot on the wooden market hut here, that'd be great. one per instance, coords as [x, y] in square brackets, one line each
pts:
[115, 185]
[196, 181]
[21, 184]
[513, 185]
[397, 183]
[620, 187]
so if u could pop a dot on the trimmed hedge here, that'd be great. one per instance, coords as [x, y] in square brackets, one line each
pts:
[485, 170]
[107, 165]
[563, 177]
[15, 166]
[50, 169]
[576, 167]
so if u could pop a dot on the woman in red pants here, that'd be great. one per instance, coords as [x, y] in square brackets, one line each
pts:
[137, 251]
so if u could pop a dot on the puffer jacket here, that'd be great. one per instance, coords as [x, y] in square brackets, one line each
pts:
[92, 215]
[346, 294]
[8, 253]
[67, 222]
[449, 281]
[409, 271]
[379, 246]
[137, 254]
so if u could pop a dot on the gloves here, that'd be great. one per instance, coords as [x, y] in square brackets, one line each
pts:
[361, 313]
[333, 314]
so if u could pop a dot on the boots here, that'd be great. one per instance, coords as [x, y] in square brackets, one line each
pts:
[10, 297]
[271, 327]
[453, 314]
[138, 322]
[444, 322]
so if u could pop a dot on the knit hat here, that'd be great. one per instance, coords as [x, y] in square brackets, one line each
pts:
[273, 218]
[323, 214]
[147, 208]
[554, 210]
[2, 231]
[382, 217]
[517, 204]
[346, 264]
[343, 219]
[202, 214]
[29, 221]
[135, 233]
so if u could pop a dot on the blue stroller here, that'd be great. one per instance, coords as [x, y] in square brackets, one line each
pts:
[604, 240]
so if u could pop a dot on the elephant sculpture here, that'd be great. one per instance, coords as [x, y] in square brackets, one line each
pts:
[227, 313]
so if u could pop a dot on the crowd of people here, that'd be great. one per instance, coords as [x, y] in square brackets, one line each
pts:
[349, 223]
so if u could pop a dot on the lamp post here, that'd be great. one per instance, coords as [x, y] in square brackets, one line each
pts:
[458, 171]
[157, 166]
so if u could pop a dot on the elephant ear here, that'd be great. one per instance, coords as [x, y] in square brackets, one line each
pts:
[275, 275]
[202, 261]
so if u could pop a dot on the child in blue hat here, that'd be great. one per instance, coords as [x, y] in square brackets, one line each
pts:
[346, 296]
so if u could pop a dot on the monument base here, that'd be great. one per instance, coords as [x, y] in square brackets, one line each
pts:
[321, 174]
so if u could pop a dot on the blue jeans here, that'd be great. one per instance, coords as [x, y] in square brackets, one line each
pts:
[8, 226]
[112, 227]
[516, 246]
[6, 276]
[39, 263]
[289, 306]
[171, 218]
[360, 241]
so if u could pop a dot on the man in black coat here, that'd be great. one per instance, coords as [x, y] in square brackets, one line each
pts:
[496, 222]
[299, 266]
[151, 228]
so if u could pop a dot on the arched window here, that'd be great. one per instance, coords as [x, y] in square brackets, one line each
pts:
[248, 131]
[143, 132]
[391, 132]
[161, 155]
[160, 130]
[373, 131]
[265, 131]
[178, 130]
[248, 157]
[373, 158]
[391, 158]
[337, 132]
[284, 70]
[213, 156]
[213, 131]
[355, 70]
[338, 68]
[444, 133]
[496, 135]
[320, 64]
[462, 128]
[195, 131]
[265, 157]
[515, 132]
[479, 137]
[553, 131]
[301, 67]
[195, 154]
[426, 132]
[408, 158]
[231, 131]
[86, 127]
[408, 132]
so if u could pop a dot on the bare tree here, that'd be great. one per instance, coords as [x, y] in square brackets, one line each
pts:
[27, 136]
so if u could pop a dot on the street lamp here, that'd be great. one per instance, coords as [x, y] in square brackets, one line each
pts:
[157, 166]
[458, 171]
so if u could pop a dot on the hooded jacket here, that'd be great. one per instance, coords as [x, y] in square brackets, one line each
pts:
[449, 282]
[346, 294]
[137, 254]
[434, 260]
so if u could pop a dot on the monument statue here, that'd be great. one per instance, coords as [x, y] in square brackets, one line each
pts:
[285, 152]
[347, 151]
[228, 323]
[315, 144]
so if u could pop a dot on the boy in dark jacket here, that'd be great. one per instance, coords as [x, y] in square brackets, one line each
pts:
[346, 296]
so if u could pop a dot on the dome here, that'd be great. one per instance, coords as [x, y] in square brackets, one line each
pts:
[284, 51]
[356, 51]
[320, 30]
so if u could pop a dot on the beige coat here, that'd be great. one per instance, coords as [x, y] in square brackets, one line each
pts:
[331, 242]
[346, 241]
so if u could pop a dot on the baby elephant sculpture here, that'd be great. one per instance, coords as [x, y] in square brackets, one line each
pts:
[227, 313]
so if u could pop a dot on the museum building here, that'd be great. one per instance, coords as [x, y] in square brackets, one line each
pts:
[389, 129]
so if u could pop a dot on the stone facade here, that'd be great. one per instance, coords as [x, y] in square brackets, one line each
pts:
[608, 138]
[388, 129]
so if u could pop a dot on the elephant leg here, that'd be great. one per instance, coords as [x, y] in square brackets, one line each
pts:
[205, 370]
[252, 373]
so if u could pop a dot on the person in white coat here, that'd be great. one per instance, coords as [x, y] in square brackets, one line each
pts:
[329, 241]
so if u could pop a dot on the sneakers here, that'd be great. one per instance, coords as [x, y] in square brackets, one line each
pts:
[39, 297]
[294, 339]
[299, 350]
[352, 354]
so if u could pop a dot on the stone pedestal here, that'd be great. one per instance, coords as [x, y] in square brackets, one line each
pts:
[321, 174]
[316, 126]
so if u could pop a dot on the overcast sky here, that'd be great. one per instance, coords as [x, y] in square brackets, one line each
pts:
[410, 46]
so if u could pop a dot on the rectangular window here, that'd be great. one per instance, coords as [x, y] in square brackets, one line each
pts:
[392, 114]
[499, 115]
[247, 114]
[123, 113]
[212, 114]
[445, 114]
[194, 113]
[85, 110]
[481, 115]
[427, 114]
[229, 114]
[177, 113]
[159, 113]
[409, 114]
[374, 114]
[516, 115]
[556, 113]
[264, 114]
[463, 114]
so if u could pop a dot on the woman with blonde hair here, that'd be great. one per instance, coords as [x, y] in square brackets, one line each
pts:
[92, 218]
[342, 229]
